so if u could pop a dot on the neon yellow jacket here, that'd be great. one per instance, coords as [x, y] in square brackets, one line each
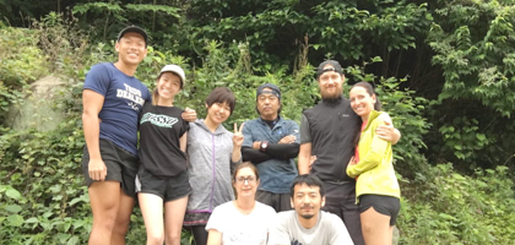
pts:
[375, 168]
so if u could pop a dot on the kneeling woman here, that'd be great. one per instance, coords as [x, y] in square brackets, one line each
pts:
[163, 177]
[377, 189]
[244, 220]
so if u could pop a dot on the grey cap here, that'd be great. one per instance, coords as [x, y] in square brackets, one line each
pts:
[336, 67]
[135, 29]
[176, 70]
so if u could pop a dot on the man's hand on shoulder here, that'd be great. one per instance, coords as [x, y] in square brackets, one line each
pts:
[388, 133]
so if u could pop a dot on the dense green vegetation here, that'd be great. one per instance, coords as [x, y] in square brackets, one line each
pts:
[445, 71]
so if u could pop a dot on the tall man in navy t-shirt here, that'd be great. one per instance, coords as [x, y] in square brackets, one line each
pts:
[112, 99]
[272, 142]
[329, 132]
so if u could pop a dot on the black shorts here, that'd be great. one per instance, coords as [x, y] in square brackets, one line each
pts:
[168, 188]
[121, 165]
[386, 205]
[280, 202]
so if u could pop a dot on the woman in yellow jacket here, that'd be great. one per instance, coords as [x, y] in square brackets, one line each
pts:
[377, 189]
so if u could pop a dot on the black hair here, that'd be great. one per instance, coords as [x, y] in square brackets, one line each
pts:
[310, 180]
[221, 95]
[370, 90]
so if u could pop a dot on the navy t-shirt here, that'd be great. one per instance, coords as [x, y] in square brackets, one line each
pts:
[124, 96]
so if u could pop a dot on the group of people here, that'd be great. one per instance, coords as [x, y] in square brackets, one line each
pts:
[240, 187]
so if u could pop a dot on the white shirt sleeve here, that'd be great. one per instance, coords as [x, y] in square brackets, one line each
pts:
[279, 231]
[339, 235]
[216, 221]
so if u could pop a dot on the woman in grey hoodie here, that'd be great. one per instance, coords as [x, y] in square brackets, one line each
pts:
[213, 152]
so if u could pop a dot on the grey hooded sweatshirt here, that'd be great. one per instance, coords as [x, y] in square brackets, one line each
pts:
[210, 167]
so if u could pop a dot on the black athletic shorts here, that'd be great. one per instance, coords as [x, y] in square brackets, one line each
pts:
[386, 205]
[280, 202]
[122, 166]
[169, 189]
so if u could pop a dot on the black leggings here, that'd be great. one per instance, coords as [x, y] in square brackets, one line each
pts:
[199, 234]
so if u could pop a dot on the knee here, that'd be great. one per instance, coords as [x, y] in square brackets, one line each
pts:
[173, 238]
[107, 221]
[121, 226]
[155, 239]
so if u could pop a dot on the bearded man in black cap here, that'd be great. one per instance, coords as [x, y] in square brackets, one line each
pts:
[329, 133]
[271, 143]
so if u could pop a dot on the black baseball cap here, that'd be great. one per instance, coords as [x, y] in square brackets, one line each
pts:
[336, 67]
[135, 29]
[275, 90]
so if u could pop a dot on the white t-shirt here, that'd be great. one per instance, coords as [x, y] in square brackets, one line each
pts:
[329, 230]
[241, 229]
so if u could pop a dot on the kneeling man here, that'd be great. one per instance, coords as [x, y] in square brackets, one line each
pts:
[307, 224]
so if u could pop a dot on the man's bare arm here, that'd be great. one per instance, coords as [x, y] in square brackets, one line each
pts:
[304, 158]
[92, 104]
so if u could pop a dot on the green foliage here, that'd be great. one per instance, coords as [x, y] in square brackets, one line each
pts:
[113, 15]
[63, 43]
[477, 60]
[473, 43]
[167, 10]
[466, 140]
[347, 30]
[43, 168]
[445, 207]
[21, 63]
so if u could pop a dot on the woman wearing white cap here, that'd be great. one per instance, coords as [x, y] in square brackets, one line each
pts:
[162, 178]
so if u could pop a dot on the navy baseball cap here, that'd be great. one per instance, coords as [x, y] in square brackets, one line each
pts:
[275, 90]
[135, 29]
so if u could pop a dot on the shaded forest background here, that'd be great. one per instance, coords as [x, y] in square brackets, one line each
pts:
[444, 70]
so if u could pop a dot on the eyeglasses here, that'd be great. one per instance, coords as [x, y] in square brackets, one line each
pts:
[250, 180]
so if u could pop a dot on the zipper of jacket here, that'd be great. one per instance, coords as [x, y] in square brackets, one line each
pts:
[214, 171]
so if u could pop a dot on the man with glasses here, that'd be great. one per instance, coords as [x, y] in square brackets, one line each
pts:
[307, 224]
[271, 143]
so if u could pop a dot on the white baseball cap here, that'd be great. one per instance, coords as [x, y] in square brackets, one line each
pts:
[176, 70]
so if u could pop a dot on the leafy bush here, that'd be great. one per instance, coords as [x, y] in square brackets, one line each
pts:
[444, 207]
[21, 63]
[473, 45]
